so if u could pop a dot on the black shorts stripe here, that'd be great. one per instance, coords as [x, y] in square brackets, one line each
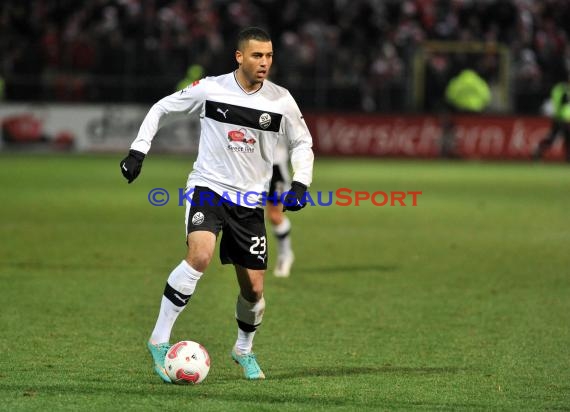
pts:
[241, 116]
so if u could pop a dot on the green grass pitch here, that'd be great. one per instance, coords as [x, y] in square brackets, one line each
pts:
[459, 303]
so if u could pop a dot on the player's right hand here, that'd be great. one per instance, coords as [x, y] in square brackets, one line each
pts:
[295, 199]
[132, 164]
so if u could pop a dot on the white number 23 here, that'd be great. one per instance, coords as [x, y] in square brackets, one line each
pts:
[259, 245]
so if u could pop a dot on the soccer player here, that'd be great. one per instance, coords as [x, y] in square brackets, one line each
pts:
[280, 182]
[242, 116]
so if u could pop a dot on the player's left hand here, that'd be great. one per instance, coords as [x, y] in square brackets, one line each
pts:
[132, 164]
[295, 198]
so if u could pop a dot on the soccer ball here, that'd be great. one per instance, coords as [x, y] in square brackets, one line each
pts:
[187, 363]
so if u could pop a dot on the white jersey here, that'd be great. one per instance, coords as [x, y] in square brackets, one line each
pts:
[281, 155]
[239, 133]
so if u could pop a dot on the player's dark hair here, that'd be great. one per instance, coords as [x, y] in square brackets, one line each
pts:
[251, 33]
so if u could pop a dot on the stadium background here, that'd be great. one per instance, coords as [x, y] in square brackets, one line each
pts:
[337, 57]
[460, 303]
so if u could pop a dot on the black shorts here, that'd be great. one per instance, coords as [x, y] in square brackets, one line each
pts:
[244, 240]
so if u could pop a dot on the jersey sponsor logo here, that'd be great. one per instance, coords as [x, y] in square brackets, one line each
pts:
[265, 120]
[243, 116]
[198, 218]
[240, 142]
[240, 149]
[236, 136]
[240, 136]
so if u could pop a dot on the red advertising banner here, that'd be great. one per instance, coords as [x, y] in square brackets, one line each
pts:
[102, 128]
[470, 137]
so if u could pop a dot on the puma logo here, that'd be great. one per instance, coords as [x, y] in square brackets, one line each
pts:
[222, 112]
[181, 299]
[262, 258]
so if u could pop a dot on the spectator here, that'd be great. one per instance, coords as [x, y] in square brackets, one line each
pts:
[347, 54]
[560, 100]
[466, 93]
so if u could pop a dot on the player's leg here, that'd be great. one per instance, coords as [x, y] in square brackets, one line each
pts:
[280, 223]
[244, 244]
[250, 307]
[182, 281]
[281, 226]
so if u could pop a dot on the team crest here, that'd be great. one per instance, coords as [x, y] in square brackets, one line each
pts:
[198, 218]
[264, 120]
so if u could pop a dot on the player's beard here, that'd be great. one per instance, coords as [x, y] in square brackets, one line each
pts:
[256, 79]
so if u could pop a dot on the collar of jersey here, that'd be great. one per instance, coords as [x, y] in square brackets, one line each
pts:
[242, 89]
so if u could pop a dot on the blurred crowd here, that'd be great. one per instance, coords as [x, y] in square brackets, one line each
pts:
[332, 54]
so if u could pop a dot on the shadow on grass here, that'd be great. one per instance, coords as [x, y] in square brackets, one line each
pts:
[361, 370]
[347, 268]
[63, 266]
[235, 392]
[88, 385]
[170, 396]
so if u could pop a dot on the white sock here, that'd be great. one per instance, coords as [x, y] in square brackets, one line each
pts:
[165, 322]
[282, 233]
[179, 288]
[244, 342]
[249, 316]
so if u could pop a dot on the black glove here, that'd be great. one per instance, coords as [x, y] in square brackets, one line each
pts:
[131, 165]
[295, 198]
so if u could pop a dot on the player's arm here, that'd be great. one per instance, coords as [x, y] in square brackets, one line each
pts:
[188, 100]
[301, 155]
